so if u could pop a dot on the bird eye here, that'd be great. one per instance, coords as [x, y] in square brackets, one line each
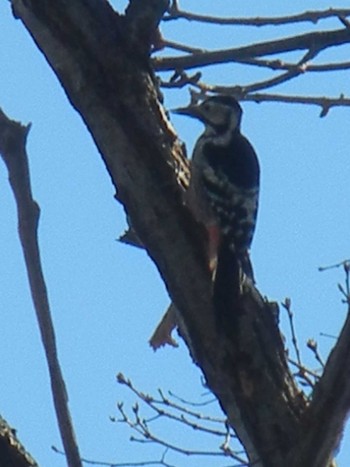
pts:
[207, 107]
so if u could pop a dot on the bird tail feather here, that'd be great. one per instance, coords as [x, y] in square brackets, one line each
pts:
[231, 272]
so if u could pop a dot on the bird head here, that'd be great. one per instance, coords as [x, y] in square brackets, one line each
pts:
[218, 113]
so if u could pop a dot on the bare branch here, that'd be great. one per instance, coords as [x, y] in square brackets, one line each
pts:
[141, 424]
[182, 47]
[165, 402]
[330, 336]
[191, 403]
[160, 462]
[180, 79]
[184, 408]
[306, 67]
[13, 138]
[333, 266]
[276, 64]
[319, 40]
[307, 16]
[326, 103]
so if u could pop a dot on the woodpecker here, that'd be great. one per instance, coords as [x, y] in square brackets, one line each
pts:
[224, 187]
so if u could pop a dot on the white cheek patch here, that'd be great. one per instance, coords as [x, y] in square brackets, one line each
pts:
[222, 139]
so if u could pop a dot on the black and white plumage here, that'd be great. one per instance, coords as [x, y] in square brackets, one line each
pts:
[224, 187]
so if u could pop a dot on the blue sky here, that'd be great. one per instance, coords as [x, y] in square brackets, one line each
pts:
[106, 298]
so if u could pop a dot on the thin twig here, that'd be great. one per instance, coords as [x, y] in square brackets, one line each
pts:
[297, 70]
[287, 306]
[304, 378]
[165, 401]
[121, 464]
[160, 412]
[182, 47]
[346, 266]
[347, 280]
[304, 369]
[308, 67]
[324, 334]
[191, 403]
[13, 138]
[192, 413]
[147, 436]
[184, 420]
[140, 424]
[334, 266]
[312, 345]
[326, 103]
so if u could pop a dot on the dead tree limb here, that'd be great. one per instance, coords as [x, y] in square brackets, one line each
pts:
[13, 138]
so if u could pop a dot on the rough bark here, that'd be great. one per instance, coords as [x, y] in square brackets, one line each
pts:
[12, 453]
[102, 63]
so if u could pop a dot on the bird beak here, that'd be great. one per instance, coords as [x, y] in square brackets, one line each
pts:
[191, 111]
